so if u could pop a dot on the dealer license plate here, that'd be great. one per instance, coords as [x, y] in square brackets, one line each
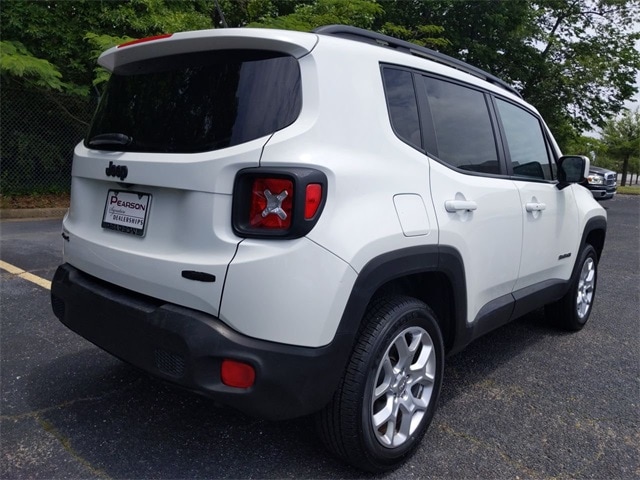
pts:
[126, 212]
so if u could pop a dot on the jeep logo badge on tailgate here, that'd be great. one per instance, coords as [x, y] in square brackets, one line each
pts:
[119, 171]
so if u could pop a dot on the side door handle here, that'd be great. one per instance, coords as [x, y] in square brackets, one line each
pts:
[535, 207]
[460, 205]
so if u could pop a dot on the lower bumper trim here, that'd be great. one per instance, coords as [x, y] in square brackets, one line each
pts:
[186, 347]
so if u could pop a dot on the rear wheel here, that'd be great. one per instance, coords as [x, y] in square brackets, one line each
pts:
[388, 395]
[572, 311]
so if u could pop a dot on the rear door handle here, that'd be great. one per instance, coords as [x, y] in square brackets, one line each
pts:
[460, 205]
[535, 207]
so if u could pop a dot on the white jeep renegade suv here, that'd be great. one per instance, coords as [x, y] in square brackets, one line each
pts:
[293, 223]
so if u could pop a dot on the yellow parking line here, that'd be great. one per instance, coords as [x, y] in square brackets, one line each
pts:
[13, 270]
[10, 268]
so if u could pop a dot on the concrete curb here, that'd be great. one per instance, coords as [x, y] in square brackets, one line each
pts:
[31, 213]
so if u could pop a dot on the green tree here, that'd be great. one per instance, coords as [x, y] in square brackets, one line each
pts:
[240, 13]
[17, 61]
[587, 62]
[67, 34]
[588, 146]
[307, 16]
[621, 137]
[573, 59]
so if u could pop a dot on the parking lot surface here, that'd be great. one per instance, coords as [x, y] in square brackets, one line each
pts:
[525, 401]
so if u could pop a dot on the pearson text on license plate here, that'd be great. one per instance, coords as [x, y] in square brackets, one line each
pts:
[126, 212]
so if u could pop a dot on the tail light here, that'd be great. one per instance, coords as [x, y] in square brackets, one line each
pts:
[271, 203]
[282, 203]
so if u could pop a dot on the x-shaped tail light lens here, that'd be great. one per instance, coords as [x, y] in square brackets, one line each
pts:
[271, 203]
[274, 204]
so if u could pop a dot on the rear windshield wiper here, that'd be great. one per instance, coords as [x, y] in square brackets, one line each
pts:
[110, 139]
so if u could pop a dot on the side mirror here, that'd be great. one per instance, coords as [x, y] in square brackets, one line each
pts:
[572, 169]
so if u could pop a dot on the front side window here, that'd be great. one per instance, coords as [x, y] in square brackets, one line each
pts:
[197, 102]
[526, 144]
[463, 129]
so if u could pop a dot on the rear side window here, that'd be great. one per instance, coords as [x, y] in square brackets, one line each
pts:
[463, 129]
[197, 102]
[402, 105]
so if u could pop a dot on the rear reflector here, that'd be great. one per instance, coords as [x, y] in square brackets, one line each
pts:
[146, 39]
[237, 374]
[312, 200]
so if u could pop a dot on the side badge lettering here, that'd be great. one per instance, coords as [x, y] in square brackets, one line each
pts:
[564, 255]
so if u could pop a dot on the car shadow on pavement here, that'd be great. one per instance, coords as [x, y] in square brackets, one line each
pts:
[124, 423]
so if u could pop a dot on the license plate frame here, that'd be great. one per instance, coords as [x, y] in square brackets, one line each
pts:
[127, 212]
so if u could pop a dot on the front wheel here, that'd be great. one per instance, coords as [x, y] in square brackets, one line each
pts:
[572, 311]
[388, 394]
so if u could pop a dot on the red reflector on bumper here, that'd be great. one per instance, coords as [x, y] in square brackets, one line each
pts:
[237, 374]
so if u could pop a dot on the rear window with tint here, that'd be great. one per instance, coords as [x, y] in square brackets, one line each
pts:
[463, 126]
[197, 102]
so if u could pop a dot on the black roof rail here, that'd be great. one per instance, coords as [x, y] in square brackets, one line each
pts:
[367, 36]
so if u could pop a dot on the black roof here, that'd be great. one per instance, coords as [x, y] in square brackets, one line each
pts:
[373, 38]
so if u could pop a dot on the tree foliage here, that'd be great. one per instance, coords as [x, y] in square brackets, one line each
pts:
[68, 34]
[307, 16]
[587, 61]
[17, 61]
[573, 59]
[621, 137]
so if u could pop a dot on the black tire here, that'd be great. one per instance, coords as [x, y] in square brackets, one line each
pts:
[572, 311]
[346, 425]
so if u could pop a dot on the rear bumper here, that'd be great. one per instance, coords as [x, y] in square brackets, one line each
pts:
[186, 347]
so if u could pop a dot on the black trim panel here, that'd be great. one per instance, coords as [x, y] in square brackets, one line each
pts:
[509, 307]
[401, 263]
[493, 315]
[537, 296]
[593, 224]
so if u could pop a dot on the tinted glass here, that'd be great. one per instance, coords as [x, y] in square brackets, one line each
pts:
[525, 140]
[199, 102]
[463, 127]
[403, 109]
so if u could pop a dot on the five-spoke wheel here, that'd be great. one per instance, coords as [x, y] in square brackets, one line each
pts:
[389, 392]
[572, 311]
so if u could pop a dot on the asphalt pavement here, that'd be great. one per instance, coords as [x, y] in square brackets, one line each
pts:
[525, 401]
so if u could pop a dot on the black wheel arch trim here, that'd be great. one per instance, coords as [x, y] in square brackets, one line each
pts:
[592, 225]
[401, 263]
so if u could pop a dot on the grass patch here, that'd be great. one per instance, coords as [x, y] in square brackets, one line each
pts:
[629, 190]
[35, 200]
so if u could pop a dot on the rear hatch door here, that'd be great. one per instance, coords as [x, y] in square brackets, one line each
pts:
[152, 183]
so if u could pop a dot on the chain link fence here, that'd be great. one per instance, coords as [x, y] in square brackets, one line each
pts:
[38, 133]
